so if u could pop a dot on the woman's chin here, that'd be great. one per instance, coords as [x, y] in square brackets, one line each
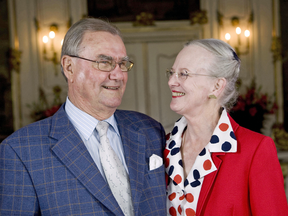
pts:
[175, 108]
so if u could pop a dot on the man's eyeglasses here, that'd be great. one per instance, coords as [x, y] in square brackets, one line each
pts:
[182, 75]
[109, 65]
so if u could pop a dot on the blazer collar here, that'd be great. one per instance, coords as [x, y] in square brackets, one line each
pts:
[72, 152]
[234, 125]
[209, 180]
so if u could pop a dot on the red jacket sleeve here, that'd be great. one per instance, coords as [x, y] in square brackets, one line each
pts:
[266, 183]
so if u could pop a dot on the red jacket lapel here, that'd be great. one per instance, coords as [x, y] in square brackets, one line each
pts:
[210, 179]
[208, 183]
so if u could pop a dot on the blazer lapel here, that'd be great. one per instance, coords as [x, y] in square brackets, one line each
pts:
[210, 179]
[208, 182]
[72, 152]
[134, 145]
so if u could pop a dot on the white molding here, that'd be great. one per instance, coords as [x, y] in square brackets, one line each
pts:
[162, 31]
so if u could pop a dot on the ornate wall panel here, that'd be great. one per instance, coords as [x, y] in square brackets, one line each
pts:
[153, 50]
[29, 22]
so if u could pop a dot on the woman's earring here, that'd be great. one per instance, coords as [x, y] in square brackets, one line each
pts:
[212, 96]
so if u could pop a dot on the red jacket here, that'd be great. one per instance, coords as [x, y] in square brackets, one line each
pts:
[248, 182]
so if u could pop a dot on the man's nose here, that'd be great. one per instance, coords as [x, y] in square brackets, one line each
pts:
[117, 73]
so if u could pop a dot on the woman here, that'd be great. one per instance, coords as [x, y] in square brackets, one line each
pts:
[213, 165]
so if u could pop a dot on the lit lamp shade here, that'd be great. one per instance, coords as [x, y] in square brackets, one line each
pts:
[52, 34]
[227, 36]
[247, 33]
[45, 39]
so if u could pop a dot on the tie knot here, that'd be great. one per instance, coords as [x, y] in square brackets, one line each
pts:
[102, 127]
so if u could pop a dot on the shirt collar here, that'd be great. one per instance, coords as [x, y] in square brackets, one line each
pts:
[222, 140]
[84, 122]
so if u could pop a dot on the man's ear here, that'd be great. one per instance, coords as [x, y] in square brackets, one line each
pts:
[66, 62]
[219, 86]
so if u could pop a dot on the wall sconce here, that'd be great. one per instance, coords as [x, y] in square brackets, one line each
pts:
[238, 31]
[52, 46]
[235, 36]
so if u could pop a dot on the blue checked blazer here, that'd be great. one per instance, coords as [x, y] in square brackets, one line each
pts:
[45, 169]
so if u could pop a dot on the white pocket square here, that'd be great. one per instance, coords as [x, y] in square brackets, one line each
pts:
[155, 161]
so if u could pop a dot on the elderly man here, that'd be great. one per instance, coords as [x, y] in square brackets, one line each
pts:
[89, 158]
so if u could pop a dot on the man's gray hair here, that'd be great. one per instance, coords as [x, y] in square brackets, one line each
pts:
[225, 64]
[74, 36]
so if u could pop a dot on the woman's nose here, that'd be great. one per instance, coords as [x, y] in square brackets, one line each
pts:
[173, 80]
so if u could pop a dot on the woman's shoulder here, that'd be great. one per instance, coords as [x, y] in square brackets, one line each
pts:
[249, 135]
[250, 142]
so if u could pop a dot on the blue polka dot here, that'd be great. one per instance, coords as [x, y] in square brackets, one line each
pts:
[186, 182]
[180, 163]
[175, 130]
[203, 152]
[178, 119]
[214, 139]
[196, 174]
[226, 146]
[171, 169]
[195, 183]
[232, 135]
[175, 151]
[172, 144]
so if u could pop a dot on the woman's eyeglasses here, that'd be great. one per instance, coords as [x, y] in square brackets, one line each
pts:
[183, 75]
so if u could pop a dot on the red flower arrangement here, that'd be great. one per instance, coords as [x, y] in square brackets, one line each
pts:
[43, 109]
[250, 107]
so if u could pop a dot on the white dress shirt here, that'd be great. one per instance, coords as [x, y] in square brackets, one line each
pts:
[85, 125]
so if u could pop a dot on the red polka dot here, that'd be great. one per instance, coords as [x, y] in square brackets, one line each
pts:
[172, 196]
[207, 165]
[190, 212]
[182, 197]
[179, 209]
[167, 162]
[166, 152]
[223, 126]
[172, 211]
[189, 197]
[177, 179]
[167, 136]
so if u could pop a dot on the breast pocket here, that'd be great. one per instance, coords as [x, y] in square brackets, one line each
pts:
[159, 172]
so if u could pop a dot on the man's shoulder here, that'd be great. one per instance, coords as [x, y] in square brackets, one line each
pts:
[36, 130]
[129, 118]
[133, 116]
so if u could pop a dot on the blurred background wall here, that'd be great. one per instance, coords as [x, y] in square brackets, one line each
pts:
[32, 86]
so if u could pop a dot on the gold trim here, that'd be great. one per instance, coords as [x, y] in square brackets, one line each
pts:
[280, 137]
[15, 59]
[144, 19]
[276, 48]
[199, 17]
[15, 63]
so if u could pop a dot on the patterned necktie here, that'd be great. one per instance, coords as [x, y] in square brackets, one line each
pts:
[115, 172]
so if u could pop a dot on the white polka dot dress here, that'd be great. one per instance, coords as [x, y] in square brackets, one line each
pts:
[183, 194]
